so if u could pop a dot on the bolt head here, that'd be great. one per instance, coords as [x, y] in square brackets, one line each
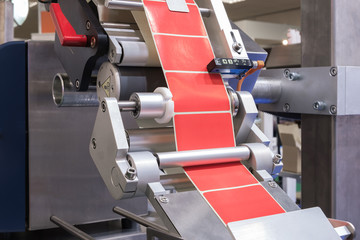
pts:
[333, 109]
[103, 106]
[286, 107]
[93, 142]
[164, 199]
[272, 184]
[130, 173]
[286, 73]
[333, 71]
[88, 25]
[237, 47]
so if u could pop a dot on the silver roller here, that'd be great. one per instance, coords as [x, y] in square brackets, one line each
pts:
[65, 95]
[202, 157]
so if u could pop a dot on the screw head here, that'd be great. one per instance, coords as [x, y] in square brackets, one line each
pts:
[77, 84]
[93, 143]
[103, 106]
[237, 47]
[318, 106]
[272, 184]
[333, 109]
[277, 158]
[88, 25]
[130, 173]
[333, 71]
[164, 199]
[93, 42]
[286, 107]
[286, 73]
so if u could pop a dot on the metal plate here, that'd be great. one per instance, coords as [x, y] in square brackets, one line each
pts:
[63, 180]
[303, 224]
[192, 217]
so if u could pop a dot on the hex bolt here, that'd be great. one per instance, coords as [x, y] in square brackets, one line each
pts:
[77, 84]
[130, 173]
[93, 42]
[319, 105]
[237, 47]
[277, 158]
[333, 71]
[333, 109]
[103, 106]
[286, 107]
[93, 142]
[164, 199]
[88, 25]
[272, 184]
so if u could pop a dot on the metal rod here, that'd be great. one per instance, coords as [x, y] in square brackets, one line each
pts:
[71, 229]
[65, 95]
[127, 105]
[138, 219]
[138, 6]
[266, 90]
[202, 157]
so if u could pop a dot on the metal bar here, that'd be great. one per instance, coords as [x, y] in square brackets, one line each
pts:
[138, 6]
[127, 105]
[266, 90]
[65, 95]
[202, 157]
[138, 219]
[71, 229]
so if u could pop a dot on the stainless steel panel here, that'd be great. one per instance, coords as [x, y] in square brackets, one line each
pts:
[298, 225]
[63, 180]
[338, 91]
[192, 216]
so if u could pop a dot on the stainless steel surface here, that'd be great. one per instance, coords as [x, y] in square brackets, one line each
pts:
[147, 170]
[149, 105]
[202, 157]
[191, 216]
[281, 197]
[266, 90]
[63, 180]
[315, 85]
[6, 21]
[138, 219]
[151, 139]
[138, 6]
[260, 157]
[297, 225]
[65, 95]
[71, 229]
[109, 152]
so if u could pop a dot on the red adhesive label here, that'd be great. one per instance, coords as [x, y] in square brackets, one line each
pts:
[203, 119]
[188, 97]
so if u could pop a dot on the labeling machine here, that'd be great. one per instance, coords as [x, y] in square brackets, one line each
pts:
[171, 81]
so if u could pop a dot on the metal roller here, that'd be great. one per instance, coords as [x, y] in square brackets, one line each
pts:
[202, 157]
[151, 139]
[266, 90]
[65, 95]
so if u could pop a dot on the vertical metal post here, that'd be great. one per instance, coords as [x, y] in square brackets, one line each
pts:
[330, 151]
[6, 21]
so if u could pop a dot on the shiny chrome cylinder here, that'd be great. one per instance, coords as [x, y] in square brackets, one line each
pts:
[266, 90]
[139, 6]
[202, 157]
[149, 105]
[151, 139]
[65, 95]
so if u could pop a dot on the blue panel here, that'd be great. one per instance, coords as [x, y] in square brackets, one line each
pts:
[13, 136]
[250, 80]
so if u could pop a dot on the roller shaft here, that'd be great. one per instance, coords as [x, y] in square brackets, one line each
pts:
[202, 157]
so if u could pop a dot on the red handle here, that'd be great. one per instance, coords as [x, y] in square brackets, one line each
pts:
[65, 31]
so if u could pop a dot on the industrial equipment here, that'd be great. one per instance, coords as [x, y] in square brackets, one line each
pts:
[174, 125]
